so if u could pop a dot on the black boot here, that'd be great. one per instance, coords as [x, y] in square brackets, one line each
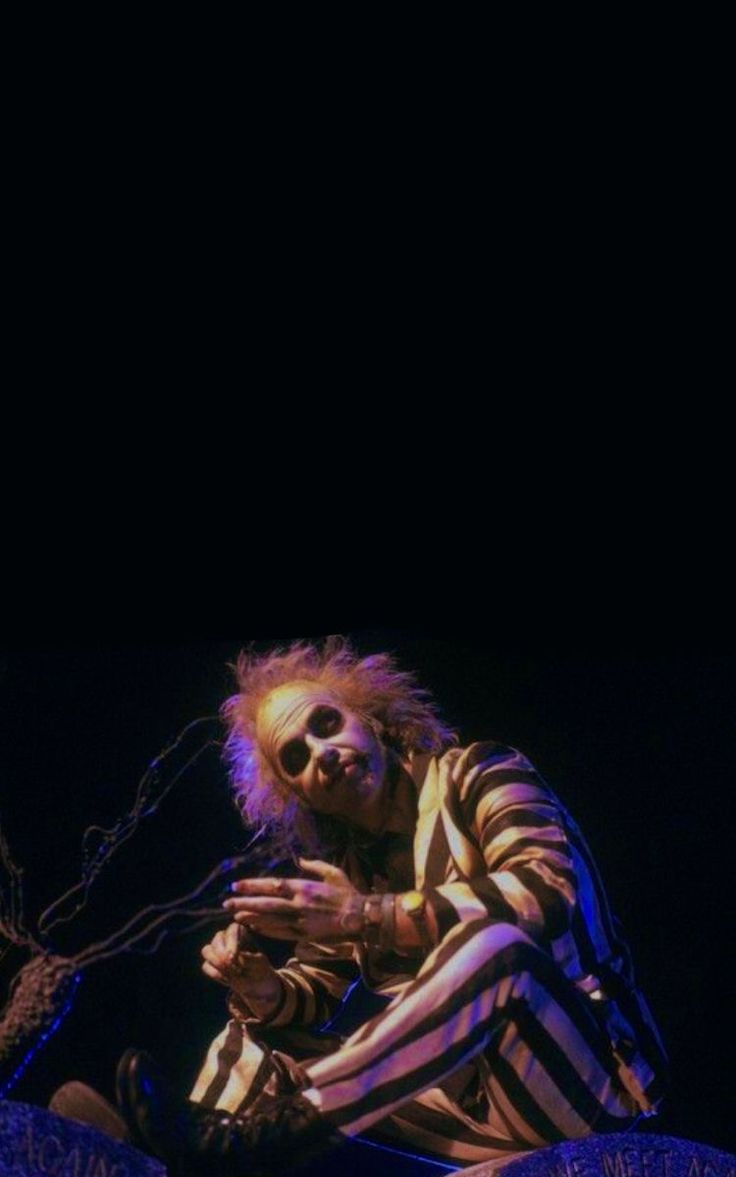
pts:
[199, 1141]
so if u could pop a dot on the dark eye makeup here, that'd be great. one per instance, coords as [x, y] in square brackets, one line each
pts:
[323, 721]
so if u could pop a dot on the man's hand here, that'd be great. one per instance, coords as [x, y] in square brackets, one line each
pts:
[299, 909]
[228, 959]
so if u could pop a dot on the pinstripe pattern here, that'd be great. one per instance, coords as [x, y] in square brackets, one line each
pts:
[522, 916]
[489, 988]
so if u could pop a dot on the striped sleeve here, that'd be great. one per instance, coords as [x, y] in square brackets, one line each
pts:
[313, 983]
[525, 873]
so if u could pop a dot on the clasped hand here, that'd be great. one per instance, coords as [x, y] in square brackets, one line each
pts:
[298, 909]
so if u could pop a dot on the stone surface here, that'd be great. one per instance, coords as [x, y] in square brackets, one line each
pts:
[621, 1154]
[35, 1142]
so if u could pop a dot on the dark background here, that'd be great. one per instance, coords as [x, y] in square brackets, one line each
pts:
[636, 739]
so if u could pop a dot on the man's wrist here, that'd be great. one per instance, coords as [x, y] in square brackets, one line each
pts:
[379, 922]
[262, 1004]
[371, 920]
[389, 922]
[353, 919]
[412, 918]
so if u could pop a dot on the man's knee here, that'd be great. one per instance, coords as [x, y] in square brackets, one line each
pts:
[484, 954]
[486, 940]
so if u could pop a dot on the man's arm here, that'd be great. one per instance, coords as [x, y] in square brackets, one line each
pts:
[501, 827]
[521, 865]
[313, 983]
[306, 991]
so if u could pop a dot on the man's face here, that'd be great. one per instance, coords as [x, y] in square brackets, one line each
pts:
[323, 751]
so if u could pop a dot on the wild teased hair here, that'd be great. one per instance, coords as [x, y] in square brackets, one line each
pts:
[372, 686]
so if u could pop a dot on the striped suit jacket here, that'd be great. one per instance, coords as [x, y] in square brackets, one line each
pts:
[494, 842]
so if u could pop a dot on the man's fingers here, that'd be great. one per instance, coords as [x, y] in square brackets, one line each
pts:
[281, 927]
[259, 903]
[232, 938]
[217, 955]
[283, 887]
[326, 870]
[214, 973]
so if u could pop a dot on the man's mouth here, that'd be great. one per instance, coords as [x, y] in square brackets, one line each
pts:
[349, 771]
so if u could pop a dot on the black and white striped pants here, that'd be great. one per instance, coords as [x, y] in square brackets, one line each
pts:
[542, 1065]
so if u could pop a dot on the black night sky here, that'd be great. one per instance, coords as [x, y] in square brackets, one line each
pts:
[636, 739]
[205, 447]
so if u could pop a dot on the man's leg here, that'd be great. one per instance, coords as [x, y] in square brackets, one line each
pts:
[486, 992]
[244, 1061]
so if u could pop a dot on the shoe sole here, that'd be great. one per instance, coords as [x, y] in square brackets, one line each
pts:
[81, 1103]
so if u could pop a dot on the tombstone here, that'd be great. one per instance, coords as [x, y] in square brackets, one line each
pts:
[35, 1142]
[620, 1154]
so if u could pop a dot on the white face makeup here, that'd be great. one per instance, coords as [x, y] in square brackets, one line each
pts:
[323, 751]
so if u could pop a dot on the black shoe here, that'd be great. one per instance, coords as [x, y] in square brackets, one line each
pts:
[193, 1140]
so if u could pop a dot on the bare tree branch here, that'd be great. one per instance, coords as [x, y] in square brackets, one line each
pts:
[112, 839]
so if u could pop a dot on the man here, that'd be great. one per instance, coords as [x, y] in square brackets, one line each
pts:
[455, 883]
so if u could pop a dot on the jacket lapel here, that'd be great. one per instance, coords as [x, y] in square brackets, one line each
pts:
[424, 774]
[442, 848]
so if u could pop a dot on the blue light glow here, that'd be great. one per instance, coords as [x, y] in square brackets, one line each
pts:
[343, 1002]
[414, 1156]
[41, 1040]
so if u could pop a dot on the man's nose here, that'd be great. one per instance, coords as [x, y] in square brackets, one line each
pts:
[325, 755]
